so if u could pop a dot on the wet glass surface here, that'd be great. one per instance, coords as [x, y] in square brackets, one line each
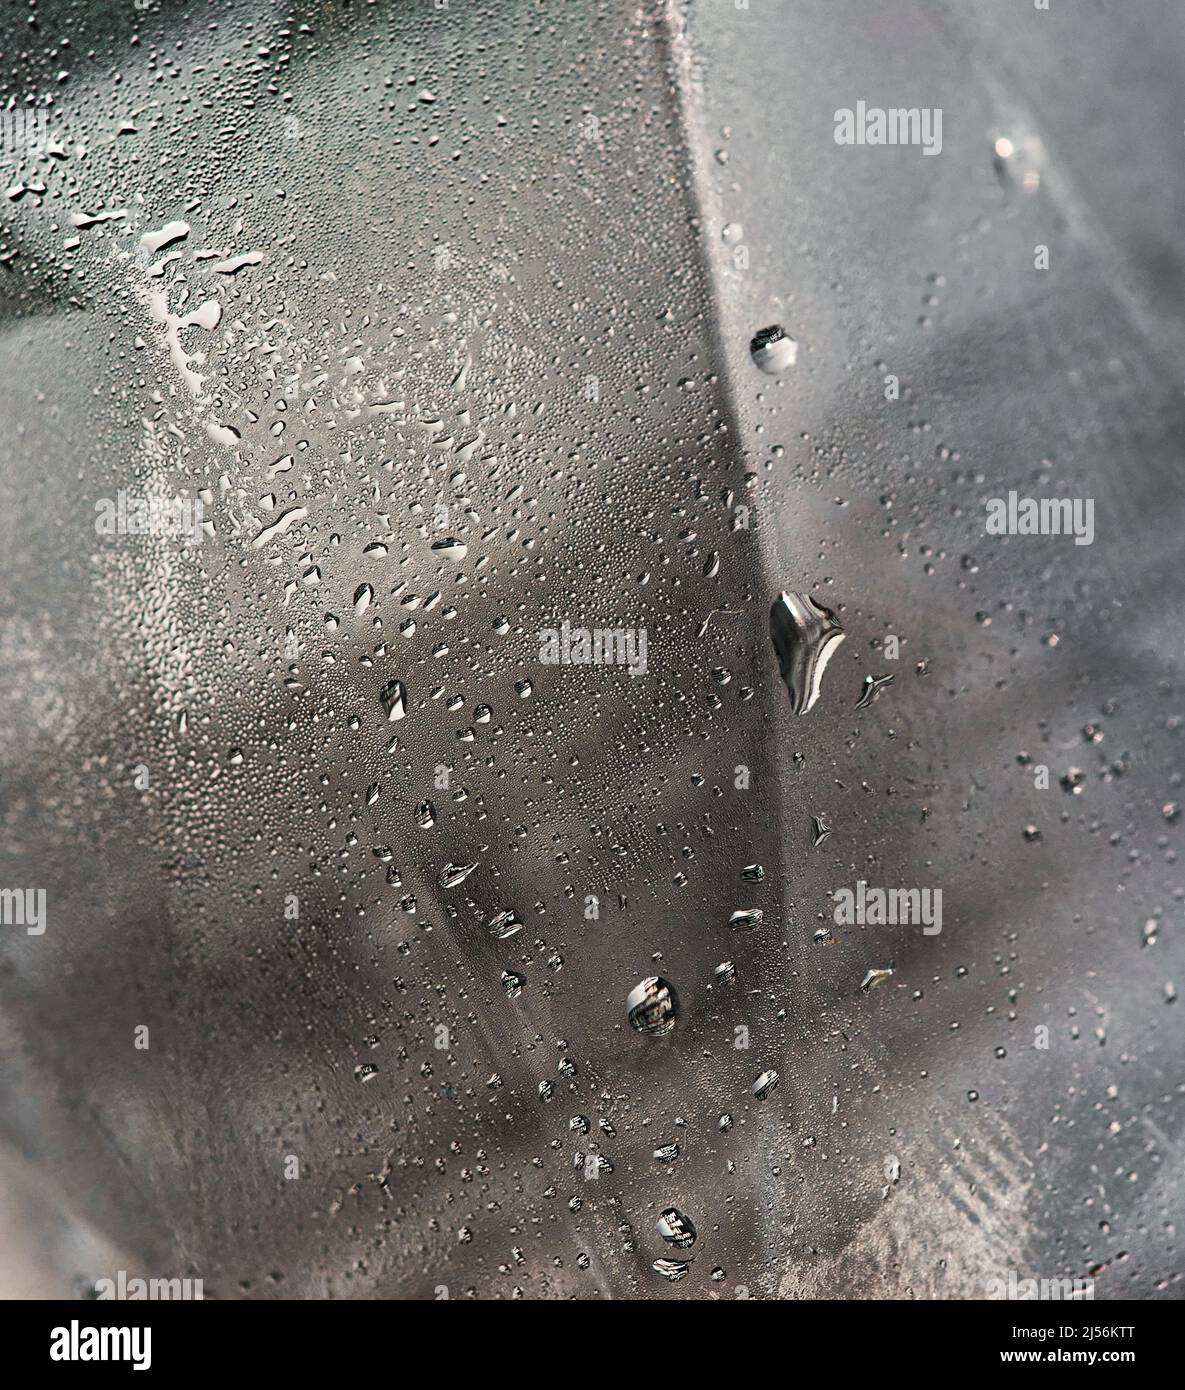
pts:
[546, 778]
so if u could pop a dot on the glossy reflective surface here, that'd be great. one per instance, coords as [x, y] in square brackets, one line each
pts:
[431, 709]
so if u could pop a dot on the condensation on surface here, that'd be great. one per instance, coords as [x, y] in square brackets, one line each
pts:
[435, 801]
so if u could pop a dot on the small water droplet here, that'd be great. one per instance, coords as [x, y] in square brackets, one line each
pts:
[1072, 781]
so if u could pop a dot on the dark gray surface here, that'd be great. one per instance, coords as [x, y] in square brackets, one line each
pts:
[572, 257]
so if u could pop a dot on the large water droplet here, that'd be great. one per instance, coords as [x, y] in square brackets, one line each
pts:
[504, 925]
[764, 1084]
[773, 349]
[805, 637]
[394, 699]
[452, 874]
[676, 1228]
[653, 1007]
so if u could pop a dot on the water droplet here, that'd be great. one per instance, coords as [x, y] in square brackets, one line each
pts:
[773, 349]
[676, 1229]
[278, 527]
[873, 685]
[504, 925]
[764, 1084]
[394, 699]
[1072, 781]
[452, 874]
[652, 1007]
[153, 242]
[874, 977]
[805, 637]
